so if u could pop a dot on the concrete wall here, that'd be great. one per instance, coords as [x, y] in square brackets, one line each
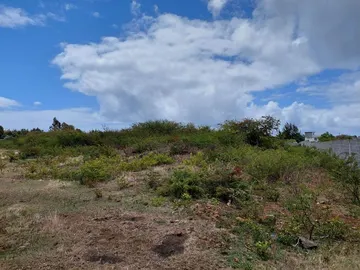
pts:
[340, 148]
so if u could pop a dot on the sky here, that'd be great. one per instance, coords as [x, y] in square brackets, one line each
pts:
[92, 63]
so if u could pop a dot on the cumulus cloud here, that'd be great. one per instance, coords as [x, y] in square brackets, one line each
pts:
[69, 6]
[345, 90]
[96, 14]
[215, 6]
[11, 17]
[8, 103]
[135, 8]
[206, 72]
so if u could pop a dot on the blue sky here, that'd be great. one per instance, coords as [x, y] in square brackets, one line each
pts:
[94, 62]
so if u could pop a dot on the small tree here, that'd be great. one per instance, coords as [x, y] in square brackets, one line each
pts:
[57, 125]
[325, 137]
[253, 129]
[348, 173]
[2, 132]
[291, 132]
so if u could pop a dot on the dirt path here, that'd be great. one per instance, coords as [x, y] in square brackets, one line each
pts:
[61, 225]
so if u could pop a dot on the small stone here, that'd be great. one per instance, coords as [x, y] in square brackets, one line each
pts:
[307, 244]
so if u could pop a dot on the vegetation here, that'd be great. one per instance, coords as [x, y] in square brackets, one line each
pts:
[243, 176]
[291, 132]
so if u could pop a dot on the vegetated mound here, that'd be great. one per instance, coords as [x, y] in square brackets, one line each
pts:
[276, 205]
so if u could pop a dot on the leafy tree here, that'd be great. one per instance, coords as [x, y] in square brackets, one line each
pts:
[253, 129]
[57, 125]
[291, 132]
[2, 132]
[325, 137]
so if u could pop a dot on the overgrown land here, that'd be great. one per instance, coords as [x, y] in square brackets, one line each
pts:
[166, 195]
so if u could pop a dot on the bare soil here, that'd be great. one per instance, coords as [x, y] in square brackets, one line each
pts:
[60, 225]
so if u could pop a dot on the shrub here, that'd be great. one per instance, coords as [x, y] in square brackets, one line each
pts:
[348, 174]
[273, 165]
[197, 159]
[183, 183]
[158, 201]
[30, 152]
[272, 195]
[97, 170]
[333, 229]
[122, 182]
[180, 148]
[263, 249]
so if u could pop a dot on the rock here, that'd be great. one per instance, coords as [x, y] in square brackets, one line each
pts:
[307, 244]
[322, 200]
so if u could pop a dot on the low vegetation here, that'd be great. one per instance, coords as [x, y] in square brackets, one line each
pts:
[266, 194]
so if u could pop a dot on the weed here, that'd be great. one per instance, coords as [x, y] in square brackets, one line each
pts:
[197, 160]
[272, 195]
[2, 165]
[263, 250]
[348, 174]
[158, 201]
[122, 182]
[98, 193]
[153, 180]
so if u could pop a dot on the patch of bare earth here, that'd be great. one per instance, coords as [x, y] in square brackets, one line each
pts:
[55, 225]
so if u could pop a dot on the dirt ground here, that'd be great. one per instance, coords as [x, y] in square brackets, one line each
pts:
[61, 225]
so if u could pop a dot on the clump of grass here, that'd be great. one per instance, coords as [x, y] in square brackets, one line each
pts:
[122, 182]
[2, 165]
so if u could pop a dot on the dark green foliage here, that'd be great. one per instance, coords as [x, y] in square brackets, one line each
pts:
[326, 137]
[57, 126]
[254, 130]
[2, 132]
[183, 184]
[291, 132]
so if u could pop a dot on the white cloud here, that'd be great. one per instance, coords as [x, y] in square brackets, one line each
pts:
[345, 90]
[156, 9]
[135, 8]
[96, 14]
[37, 103]
[8, 103]
[82, 118]
[41, 4]
[69, 6]
[11, 17]
[205, 72]
[340, 119]
[215, 6]
[15, 17]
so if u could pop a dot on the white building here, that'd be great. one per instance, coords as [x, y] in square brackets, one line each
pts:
[310, 137]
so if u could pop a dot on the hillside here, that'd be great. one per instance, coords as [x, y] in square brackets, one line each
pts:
[164, 195]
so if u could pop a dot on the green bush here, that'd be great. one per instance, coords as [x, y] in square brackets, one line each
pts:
[97, 170]
[333, 229]
[348, 174]
[183, 183]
